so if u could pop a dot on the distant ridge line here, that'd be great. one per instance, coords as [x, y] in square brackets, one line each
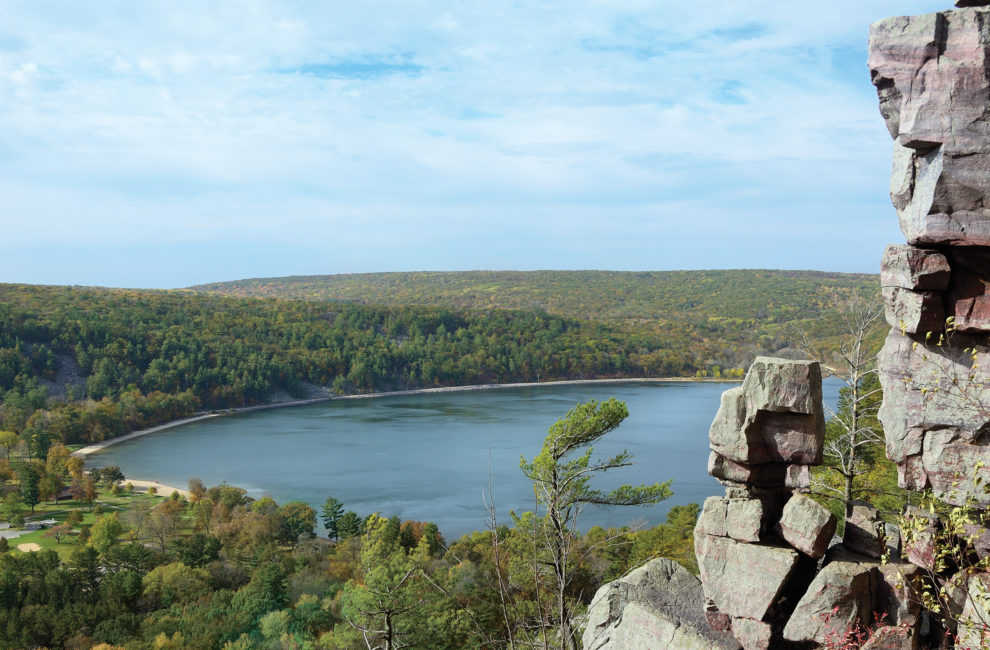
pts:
[774, 295]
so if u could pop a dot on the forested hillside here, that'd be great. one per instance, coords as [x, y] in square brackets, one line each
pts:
[82, 364]
[766, 296]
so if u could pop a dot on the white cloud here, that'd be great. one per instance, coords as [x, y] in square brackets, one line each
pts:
[183, 122]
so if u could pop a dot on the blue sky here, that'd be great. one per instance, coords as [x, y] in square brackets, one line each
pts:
[163, 144]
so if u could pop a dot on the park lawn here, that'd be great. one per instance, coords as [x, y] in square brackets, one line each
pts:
[106, 501]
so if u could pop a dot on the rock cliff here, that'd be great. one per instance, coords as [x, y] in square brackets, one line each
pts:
[932, 75]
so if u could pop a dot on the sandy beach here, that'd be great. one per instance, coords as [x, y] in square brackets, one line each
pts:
[162, 489]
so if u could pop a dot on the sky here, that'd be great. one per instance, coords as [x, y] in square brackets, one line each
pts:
[165, 144]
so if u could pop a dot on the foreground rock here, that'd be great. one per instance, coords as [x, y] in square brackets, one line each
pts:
[841, 596]
[659, 605]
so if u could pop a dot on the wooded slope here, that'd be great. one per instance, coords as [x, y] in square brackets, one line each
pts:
[758, 295]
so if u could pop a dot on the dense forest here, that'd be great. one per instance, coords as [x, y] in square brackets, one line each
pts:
[215, 568]
[83, 364]
[760, 296]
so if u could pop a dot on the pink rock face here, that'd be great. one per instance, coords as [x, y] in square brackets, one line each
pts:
[968, 294]
[840, 596]
[791, 438]
[807, 526]
[919, 545]
[743, 580]
[932, 78]
[753, 635]
[936, 412]
[912, 311]
[917, 269]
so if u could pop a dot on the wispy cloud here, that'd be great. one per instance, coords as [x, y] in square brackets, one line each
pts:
[364, 68]
[414, 134]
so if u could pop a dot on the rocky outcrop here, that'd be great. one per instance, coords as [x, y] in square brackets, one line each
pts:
[932, 75]
[760, 546]
[757, 546]
[659, 605]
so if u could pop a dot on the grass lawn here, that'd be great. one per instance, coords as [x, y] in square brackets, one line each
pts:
[106, 501]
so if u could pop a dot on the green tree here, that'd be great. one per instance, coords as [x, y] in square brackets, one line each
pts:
[9, 440]
[393, 603]
[295, 519]
[350, 525]
[105, 533]
[112, 475]
[29, 479]
[561, 481]
[175, 583]
[333, 510]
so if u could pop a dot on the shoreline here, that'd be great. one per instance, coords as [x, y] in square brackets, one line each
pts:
[103, 444]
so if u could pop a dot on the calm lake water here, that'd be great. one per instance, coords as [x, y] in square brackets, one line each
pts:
[430, 457]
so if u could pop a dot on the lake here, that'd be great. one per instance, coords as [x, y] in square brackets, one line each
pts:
[432, 457]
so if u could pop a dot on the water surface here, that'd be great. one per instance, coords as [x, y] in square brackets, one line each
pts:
[431, 457]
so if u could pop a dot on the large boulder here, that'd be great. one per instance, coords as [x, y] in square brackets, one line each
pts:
[743, 580]
[840, 596]
[917, 269]
[659, 605]
[807, 525]
[767, 431]
[783, 386]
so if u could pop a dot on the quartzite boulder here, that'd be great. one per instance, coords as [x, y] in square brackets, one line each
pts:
[919, 541]
[743, 580]
[740, 519]
[807, 525]
[841, 595]
[753, 635]
[917, 269]
[771, 427]
[897, 595]
[888, 637]
[659, 605]
[784, 386]
[865, 532]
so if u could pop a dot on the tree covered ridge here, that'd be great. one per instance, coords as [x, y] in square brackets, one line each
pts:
[149, 356]
[776, 296]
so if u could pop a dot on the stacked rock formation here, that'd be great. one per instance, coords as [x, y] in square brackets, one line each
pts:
[758, 546]
[771, 572]
[932, 75]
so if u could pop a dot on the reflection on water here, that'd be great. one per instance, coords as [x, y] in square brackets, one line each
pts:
[429, 457]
